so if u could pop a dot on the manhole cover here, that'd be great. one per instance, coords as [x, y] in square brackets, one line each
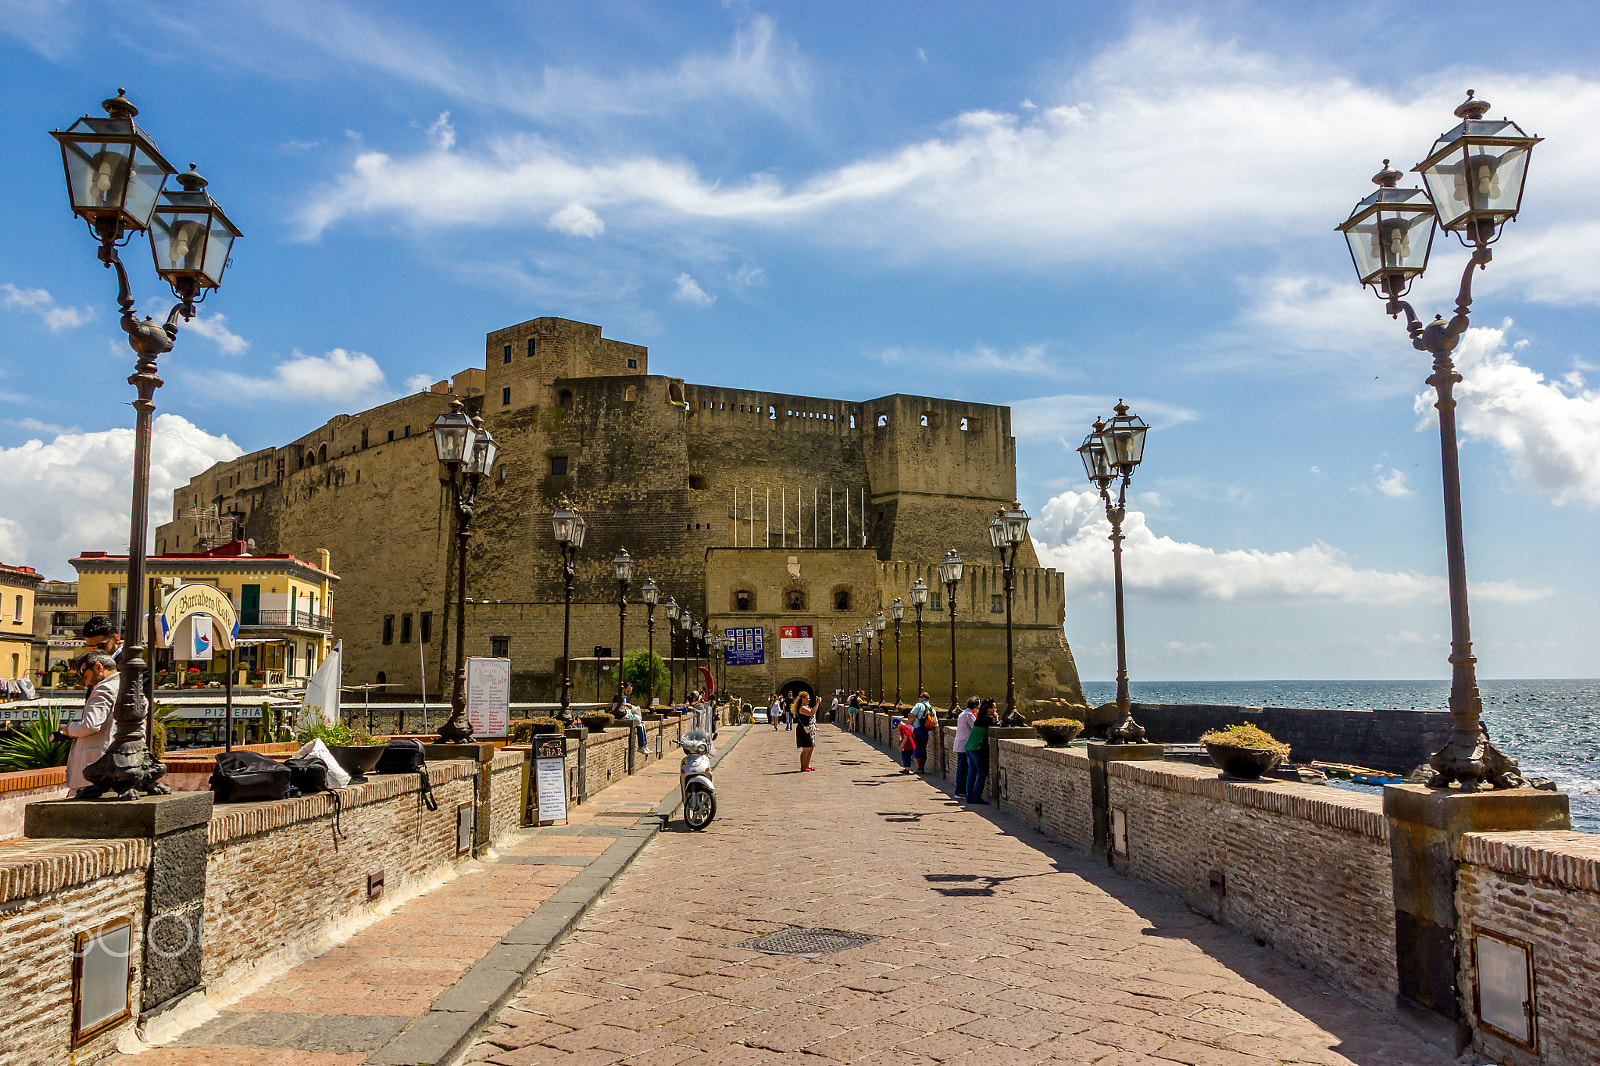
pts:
[807, 943]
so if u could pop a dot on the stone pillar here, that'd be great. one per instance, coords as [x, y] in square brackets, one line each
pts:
[175, 888]
[1425, 829]
[481, 753]
[1101, 753]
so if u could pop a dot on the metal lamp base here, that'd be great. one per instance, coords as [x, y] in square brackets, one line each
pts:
[1475, 763]
[456, 730]
[128, 773]
[1125, 730]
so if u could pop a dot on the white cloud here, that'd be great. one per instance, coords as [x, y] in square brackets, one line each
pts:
[1070, 535]
[1392, 484]
[41, 303]
[335, 375]
[575, 220]
[689, 292]
[442, 133]
[1068, 416]
[1029, 359]
[214, 328]
[1549, 430]
[71, 493]
[749, 276]
[418, 383]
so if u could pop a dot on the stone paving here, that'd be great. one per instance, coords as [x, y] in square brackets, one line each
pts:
[997, 947]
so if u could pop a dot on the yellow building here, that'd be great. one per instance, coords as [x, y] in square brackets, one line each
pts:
[17, 584]
[285, 604]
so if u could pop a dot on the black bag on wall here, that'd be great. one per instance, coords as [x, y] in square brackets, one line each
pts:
[404, 756]
[249, 777]
[309, 775]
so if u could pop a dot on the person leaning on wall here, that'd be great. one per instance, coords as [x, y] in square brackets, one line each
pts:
[91, 733]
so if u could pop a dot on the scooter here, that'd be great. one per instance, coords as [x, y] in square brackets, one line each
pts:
[695, 785]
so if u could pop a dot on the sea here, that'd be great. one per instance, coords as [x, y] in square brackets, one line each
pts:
[1552, 728]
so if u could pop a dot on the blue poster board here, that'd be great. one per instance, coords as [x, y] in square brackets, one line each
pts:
[746, 646]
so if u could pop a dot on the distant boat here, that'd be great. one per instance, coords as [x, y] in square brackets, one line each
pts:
[1360, 774]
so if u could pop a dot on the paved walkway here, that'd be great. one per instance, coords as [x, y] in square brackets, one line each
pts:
[997, 947]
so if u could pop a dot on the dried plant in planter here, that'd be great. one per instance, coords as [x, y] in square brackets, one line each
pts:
[595, 720]
[1058, 732]
[1245, 751]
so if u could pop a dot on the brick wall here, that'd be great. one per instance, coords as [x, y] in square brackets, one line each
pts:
[1048, 787]
[1385, 739]
[51, 890]
[1542, 888]
[277, 879]
[505, 793]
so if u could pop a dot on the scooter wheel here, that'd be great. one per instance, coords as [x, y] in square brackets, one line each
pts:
[699, 808]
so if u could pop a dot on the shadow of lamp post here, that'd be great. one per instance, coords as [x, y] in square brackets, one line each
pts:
[1111, 450]
[569, 530]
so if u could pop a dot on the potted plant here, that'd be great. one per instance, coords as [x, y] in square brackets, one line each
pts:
[1058, 732]
[1244, 751]
[596, 721]
[353, 749]
[523, 730]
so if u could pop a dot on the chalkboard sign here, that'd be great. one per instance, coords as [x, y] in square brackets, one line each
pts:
[550, 778]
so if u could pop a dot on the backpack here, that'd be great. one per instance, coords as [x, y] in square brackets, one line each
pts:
[249, 777]
[930, 718]
[405, 756]
[308, 774]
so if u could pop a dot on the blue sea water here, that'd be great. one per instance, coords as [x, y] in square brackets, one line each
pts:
[1552, 728]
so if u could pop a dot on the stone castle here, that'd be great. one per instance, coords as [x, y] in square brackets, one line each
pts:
[749, 508]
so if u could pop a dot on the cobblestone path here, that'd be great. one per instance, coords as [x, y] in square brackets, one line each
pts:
[998, 948]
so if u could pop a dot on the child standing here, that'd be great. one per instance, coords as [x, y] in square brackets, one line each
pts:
[908, 743]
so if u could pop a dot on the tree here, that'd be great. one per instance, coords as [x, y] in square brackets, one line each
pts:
[636, 672]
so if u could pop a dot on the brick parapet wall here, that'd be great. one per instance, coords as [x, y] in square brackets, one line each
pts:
[1048, 787]
[1542, 888]
[39, 867]
[505, 793]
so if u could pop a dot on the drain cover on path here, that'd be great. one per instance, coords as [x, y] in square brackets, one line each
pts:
[807, 943]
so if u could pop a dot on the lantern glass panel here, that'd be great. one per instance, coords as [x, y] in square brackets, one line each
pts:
[1477, 181]
[561, 525]
[879, 621]
[623, 562]
[1093, 453]
[219, 245]
[950, 567]
[648, 593]
[1016, 525]
[919, 593]
[483, 452]
[112, 171]
[579, 528]
[178, 239]
[997, 531]
[672, 608]
[453, 437]
[1123, 440]
[897, 609]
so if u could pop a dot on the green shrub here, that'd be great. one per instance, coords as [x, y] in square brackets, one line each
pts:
[31, 747]
[337, 735]
[1245, 736]
[636, 672]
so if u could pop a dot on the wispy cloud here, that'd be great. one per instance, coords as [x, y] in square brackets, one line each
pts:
[1042, 418]
[1032, 360]
[575, 220]
[214, 328]
[337, 374]
[41, 303]
[688, 291]
[1392, 483]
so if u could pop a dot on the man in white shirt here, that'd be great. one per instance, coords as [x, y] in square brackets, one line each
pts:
[964, 723]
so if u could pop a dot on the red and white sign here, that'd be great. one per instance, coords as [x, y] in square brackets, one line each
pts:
[794, 642]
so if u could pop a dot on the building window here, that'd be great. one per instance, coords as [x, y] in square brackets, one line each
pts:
[744, 600]
[500, 647]
[363, 440]
[530, 347]
[408, 431]
[696, 481]
[630, 393]
[507, 355]
[558, 466]
[18, 618]
[794, 600]
[388, 629]
[505, 396]
[565, 398]
[425, 627]
[633, 364]
[841, 600]
[383, 678]
[933, 602]
[997, 602]
[405, 629]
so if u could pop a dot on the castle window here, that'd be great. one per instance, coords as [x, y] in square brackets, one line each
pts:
[383, 678]
[744, 600]
[794, 600]
[391, 434]
[530, 347]
[841, 599]
[388, 629]
[558, 466]
[300, 461]
[933, 602]
[923, 420]
[363, 443]
[852, 421]
[772, 412]
[997, 602]
[633, 364]
[408, 431]
[405, 629]
[505, 357]
[500, 647]
[322, 454]
[697, 481]
[882, 421]
[565, 399]
[426, 627]
[966, 425]
[505, 396]
[630, 393]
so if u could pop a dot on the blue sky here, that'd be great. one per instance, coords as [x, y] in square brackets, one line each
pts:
[1048, 206]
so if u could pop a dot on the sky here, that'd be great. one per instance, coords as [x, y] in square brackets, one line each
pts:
[1051, 206]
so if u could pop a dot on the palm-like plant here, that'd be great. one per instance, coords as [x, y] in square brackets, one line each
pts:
[32, 747]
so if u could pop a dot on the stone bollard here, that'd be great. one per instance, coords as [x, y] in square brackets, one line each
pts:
[1101, 753]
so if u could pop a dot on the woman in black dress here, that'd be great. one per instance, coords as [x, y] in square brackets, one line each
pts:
[804, 716]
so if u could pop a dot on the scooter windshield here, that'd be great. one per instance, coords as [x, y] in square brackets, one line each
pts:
[699, 724]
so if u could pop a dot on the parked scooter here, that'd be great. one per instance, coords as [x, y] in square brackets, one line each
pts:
[695, 785]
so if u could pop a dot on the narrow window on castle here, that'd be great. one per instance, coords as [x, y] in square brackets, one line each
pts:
[794, 600]
[558, 466]
[630, 393]
[933, 602]
[505, 357]
[425, 627]
[408, 431]
[531, 343]
[965, 425]
[500, 647]
[383, 678]
[852, 421]
[391, 434]
[883, 420]
[633, 364]
[388, 629]
[505, 396]
[565, 399]
[363, 440]
[923, 420]
[405, 629]
[697, 481]
[841, 600]
[997, 602]
[744, 600]
[772, 412]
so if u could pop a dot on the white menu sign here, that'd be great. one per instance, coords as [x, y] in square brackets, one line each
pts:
[489, 697]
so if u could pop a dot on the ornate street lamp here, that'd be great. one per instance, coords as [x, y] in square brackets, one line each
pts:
[623, 564]
[650, 595]
[919, 600]
[897, 611]
[686, 624]
[672, 648]
[879, 621]
[1475, 175]
[466, 452]
[1007, 530]
[569, 528]
[699, 643]
[867, 677]
[115, 177]
[857, 643]
[950, 575]
[839, 650]
[1114, 449]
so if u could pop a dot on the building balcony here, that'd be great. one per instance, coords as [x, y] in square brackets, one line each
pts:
[70, 623]
[308, 620]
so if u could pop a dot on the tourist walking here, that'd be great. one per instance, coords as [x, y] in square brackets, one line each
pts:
[91, 733]
[978, 751]
[855, 713]
[776, 710]
[788, 711]
[968, 715]
[923, 721]
[804, 717]
[907, 742]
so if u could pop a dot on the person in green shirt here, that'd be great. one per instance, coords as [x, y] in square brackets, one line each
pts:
[978, 751]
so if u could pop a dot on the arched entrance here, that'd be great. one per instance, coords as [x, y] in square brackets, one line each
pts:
[795, 686]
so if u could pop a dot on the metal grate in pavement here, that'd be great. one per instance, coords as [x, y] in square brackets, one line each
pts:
[806, 943]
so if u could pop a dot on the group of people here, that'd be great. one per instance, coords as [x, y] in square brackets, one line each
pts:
[971, 743]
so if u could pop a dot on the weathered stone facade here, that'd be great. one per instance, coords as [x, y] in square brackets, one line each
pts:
[692, 480]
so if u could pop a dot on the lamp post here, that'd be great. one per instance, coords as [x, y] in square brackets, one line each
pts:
[622, 563]
[1111, 450]
[919, 600]
[115, 180]
[839, 650]
[686, 624]
[1474, 175]
[569, 528]
[950, 575]
[1007, 530]
[699, 643]
[897, 611]
[466, 452]
[867, 677]
[879, 621]
[672, 647]
[650, 595]
[857, 642]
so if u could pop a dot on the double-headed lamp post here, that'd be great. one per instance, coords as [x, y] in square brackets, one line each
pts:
[650, 595]
[569, 528]
[686, 624]
[839, 649]
[879, 621]
[466, 452]
[950, 575]
[672, 648]
[1007, 530]
[622, 562]
[897, 611]
[1474, 176]
[115, 180]
[919, 600]
[1111, 450]
[699, 644]
[856, 641]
